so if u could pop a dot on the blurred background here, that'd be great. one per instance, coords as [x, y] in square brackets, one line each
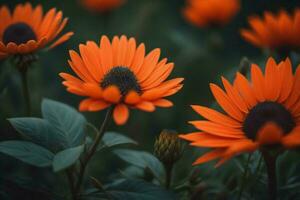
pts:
[201, 56]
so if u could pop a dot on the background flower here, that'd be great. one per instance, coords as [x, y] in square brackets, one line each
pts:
[210, 12]
[101, 5]
[276, 31]
[27, 29]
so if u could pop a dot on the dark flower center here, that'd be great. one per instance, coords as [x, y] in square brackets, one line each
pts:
[18, 33]
[123, 78]
[267, 112]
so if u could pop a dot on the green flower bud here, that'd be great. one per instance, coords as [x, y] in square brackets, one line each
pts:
[168, 147]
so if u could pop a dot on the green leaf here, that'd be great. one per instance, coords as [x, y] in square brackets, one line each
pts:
[65, 120]
[27, 152]
[66, 158]
[111, 139]
[38, 130]
[130, 189]
[142, 159]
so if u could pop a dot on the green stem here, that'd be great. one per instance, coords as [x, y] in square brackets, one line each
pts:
[256, 173]
[169, 170]
[71, 183]
[244, 176]
[92, 150]
[270, 161]
[25, 90]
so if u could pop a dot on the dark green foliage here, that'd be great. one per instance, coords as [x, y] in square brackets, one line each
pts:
[27, 152]
[130, 189]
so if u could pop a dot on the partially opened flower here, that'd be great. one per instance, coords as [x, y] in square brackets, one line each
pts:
[262, 113]
[101, 5]
[203, 13]
[274, 31]
[119, 73]
[27, 29]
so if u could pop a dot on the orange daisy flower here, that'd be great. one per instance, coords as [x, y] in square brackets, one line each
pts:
[26, 29]
[118, 73]
[101, 5]
[274, 32]
[261, 113]
[204, 13]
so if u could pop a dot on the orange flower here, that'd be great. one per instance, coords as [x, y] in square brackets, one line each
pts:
[204, 13]
[118, 73]
[278, 32]
[101, 5]
[258, 114]
[26, 29]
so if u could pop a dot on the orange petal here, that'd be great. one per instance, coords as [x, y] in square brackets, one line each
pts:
[159, 75]
[295, 93]
[76, 91]
[217, 129]
[162, 90]
[70, 78]
[106, 54]
[227, 105]
[214, 154]
[258, 82]
[112, 94]
[149, 65]
[243, 86]
[292, 139]
[130, 52]
[79, 67]
[90, 60]
[146, 106]
[92, 90]
[121, 114]
[217, 117]
[235, 96]
[84, 104]
[195, 136]
[202, 139]
[272, 89]
[269, 134]
[163, 103]
[12, 48]
[251, 37]
[98, 105]
[92, 105]
[138, 58]
[287, 80]
[121, 51]
[132, 97]
[244, 145]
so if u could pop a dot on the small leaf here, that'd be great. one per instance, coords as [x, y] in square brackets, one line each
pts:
[142, 159]
[111, 139]
[66, 121]
[38, 130]
[130, 189]
[66, 158]
[27, 152]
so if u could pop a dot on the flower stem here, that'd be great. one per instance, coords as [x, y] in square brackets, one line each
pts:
[25, 90]
[71, 183]
[270, 161]
[92, 151]
[169, 170]
[244, 176]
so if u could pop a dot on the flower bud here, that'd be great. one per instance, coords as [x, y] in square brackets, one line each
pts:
[168, 147]
[244, 66]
